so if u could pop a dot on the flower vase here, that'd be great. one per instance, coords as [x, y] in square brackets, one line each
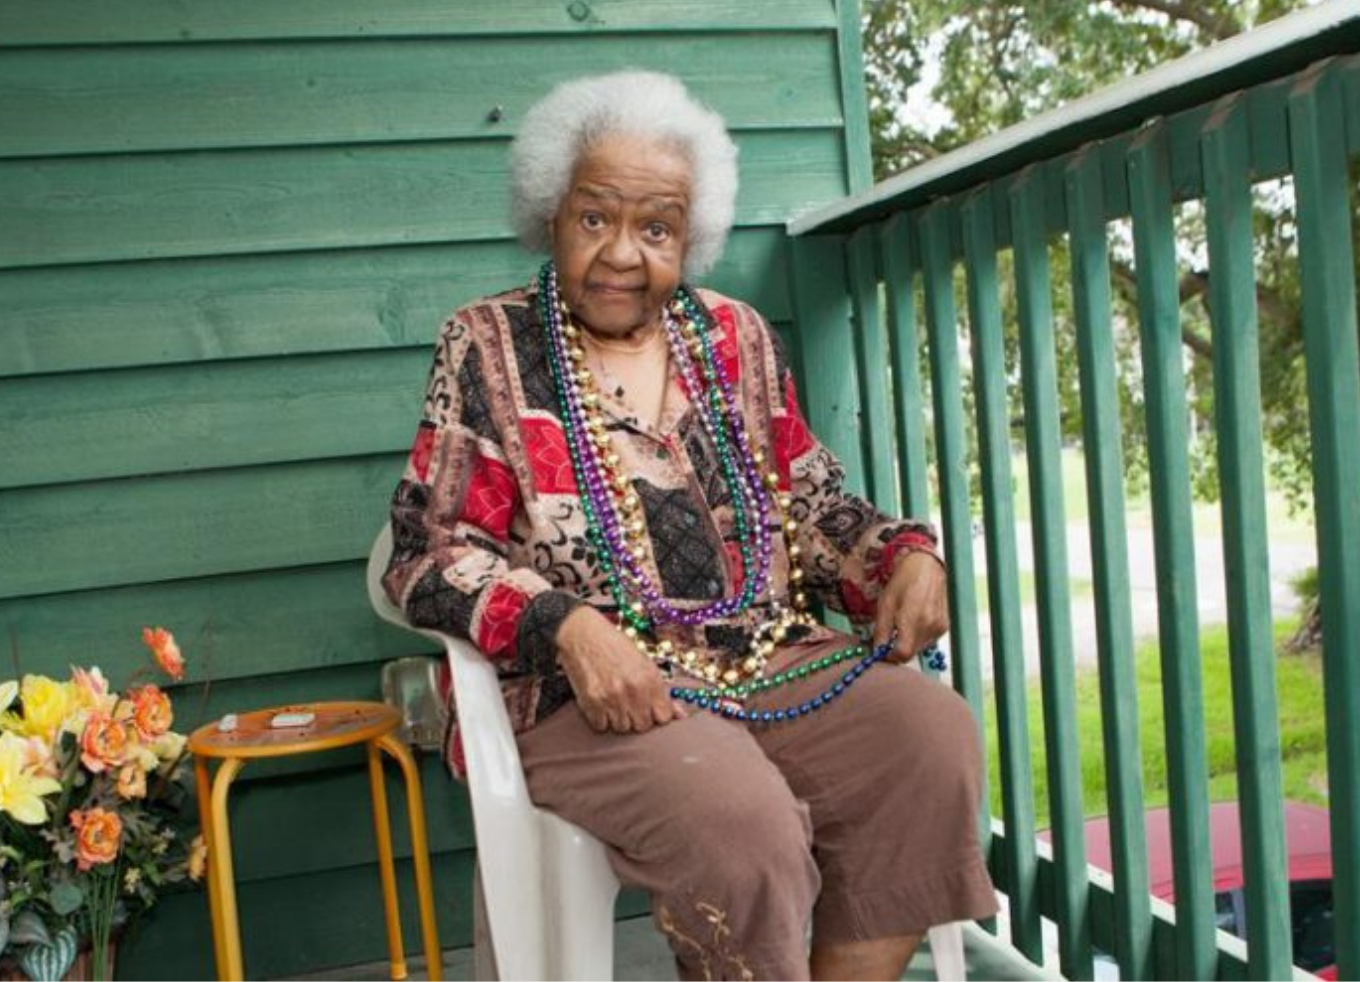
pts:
[81, 968]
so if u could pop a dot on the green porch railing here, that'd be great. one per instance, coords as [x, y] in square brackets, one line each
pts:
[1281, 102]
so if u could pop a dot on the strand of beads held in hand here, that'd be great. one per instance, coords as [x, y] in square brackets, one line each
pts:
[729, 703]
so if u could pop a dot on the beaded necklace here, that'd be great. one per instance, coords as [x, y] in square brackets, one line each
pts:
[727, 702]
[607, 493]
[617, 533]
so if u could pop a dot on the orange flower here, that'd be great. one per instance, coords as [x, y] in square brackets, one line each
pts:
[99, 833]
[198, 858]
[151, 712]
[131, 782]
[163, 646]
[104, 743]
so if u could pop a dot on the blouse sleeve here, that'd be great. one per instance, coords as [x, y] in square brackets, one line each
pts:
[451, 516]
[848, 548]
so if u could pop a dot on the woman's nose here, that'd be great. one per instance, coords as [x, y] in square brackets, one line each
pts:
[621, 251]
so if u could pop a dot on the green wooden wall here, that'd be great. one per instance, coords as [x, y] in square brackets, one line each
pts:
[228, 233]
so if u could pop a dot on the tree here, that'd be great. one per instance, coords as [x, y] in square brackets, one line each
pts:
[1000, 63]
[995, 64]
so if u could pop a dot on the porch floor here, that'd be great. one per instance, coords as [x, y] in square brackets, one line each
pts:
[641, 954]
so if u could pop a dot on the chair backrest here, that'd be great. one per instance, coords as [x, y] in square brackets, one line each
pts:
[378, 558]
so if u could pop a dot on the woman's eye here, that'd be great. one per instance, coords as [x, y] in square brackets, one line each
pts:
[592, 220]
[657, 231]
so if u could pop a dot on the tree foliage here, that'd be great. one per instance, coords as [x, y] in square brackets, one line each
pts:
[991, 65]
[1000, 63]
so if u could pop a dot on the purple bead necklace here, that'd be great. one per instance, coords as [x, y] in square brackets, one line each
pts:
[607, 494]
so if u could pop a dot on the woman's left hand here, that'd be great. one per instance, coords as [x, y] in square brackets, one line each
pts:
[915, 604]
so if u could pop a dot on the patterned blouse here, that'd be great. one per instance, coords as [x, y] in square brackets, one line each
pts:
[490, 537]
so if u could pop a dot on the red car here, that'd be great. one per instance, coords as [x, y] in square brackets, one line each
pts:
[1308, 838]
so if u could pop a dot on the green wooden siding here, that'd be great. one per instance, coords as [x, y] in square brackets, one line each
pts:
[227, 238]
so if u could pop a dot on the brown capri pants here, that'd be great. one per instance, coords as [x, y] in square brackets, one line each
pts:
[860, 818]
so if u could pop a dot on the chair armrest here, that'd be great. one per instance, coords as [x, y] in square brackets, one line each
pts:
[494, 767]
[488, 740]
[509, 827]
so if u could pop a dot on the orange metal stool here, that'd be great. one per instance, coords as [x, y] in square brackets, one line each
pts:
[337, 724]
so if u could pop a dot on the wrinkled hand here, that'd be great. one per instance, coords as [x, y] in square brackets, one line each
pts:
[617, 689]
[915, 604]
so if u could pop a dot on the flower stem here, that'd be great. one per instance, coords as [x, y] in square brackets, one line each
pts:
[99, 909]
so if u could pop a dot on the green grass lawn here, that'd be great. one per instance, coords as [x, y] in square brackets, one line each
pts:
[1302, 732]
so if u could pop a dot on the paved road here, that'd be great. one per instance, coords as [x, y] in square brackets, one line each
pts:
[1286, 561]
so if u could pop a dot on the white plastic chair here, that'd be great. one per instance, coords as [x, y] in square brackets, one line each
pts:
[543, 891]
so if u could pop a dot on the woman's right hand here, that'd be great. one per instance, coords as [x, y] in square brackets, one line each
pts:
[617, 688]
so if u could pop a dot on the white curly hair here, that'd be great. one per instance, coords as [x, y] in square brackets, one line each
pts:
[575, 115]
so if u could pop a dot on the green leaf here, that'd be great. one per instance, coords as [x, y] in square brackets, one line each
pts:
[66, 898]
[4, 932]
[28, 928]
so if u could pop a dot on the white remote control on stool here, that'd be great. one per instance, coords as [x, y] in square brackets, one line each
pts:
[284, 721]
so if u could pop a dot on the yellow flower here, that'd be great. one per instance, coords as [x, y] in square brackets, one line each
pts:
[198, 858]
[169, 746]
[21, 791]
[47, 704]
[142, 755]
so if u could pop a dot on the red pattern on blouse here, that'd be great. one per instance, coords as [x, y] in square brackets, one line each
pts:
[491, 496]
[421, 451]
[908, 541]
[792, 438]
[498, 621]
[545, 445]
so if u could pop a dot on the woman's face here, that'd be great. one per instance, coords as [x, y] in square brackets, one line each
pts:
[620, 234]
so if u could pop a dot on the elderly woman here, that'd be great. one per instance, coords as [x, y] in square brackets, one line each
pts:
[614, 495]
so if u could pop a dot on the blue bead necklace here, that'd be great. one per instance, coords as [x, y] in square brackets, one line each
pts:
[726, 702]
[717, 702]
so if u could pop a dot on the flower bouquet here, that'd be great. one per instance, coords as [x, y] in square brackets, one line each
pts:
[92, 789]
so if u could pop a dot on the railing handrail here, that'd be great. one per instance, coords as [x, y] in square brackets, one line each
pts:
[1279, 48]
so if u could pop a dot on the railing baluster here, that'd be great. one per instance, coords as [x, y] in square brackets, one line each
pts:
[1053, 600]
[1102, 446]
[951, 454]
[1327, 265]
[1003, 573]
[871, 347]
[822, 298]
[1246, 558]
[1187, 771]
[899, 268]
